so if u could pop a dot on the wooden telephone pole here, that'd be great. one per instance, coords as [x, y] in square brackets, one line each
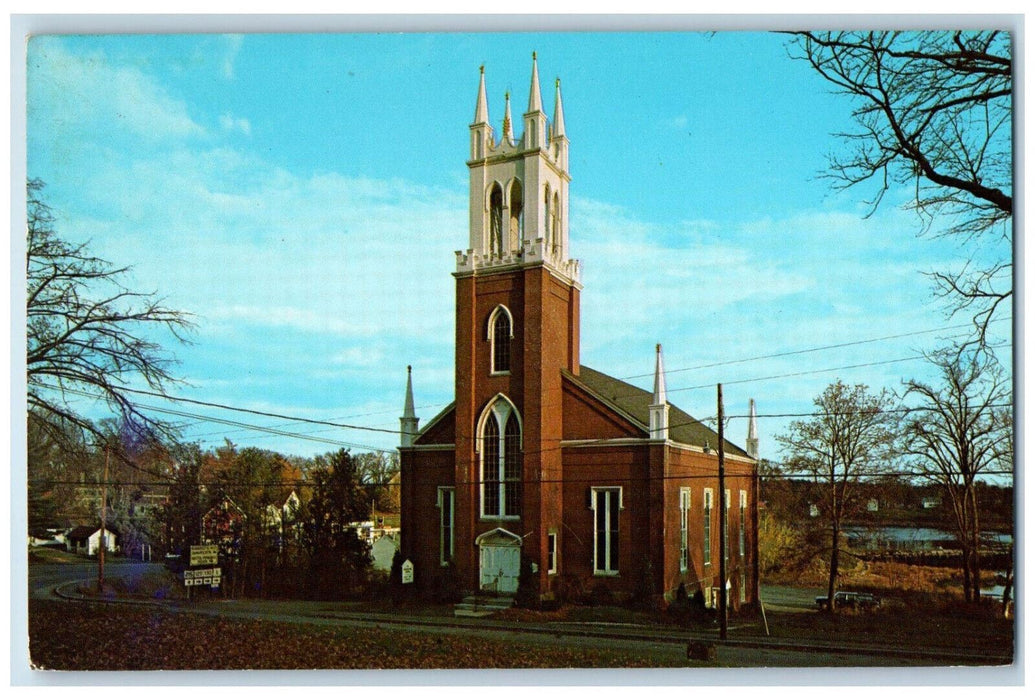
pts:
[723, 612]
[104, 511]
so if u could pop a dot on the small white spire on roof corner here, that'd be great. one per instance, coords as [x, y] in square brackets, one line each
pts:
[508, 123]
[481, 108]
[535, 98]
[752, 438]
[409, 420]
[659, 376]
[659, 403]
[558, 112]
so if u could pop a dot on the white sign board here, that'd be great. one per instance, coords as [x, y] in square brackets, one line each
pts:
[202, 554]
[203, 577]
[407, 571]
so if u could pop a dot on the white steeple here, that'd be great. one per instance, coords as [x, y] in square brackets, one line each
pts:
[508, 123]
[481, 131]
[535, 118]
[752, 438]
[518, 209]
[409, 420]
[558, 140]
[659, 404]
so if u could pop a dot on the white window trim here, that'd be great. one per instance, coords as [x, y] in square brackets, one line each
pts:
[502, 408]
[726, 527]
[707, 504]
[684, 528]
[446, 550]
[743, 522]
[552, 553]
[491, 337]
[614, 571]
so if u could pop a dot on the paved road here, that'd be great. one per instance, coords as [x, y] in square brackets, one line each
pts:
[663, 645]
[43, 578]
[789, 598]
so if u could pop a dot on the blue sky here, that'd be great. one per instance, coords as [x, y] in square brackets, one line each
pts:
[303, 195]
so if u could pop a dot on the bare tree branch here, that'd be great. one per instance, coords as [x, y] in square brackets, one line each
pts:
[85, 331]
[933, 109]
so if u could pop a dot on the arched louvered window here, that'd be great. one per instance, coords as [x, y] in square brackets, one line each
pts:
[501, 332]
[517, 217]
[496, 221]
[501, 461]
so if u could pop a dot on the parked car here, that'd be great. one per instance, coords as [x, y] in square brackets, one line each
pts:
[850, 599]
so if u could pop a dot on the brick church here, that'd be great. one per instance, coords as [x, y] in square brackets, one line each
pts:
[601, 485]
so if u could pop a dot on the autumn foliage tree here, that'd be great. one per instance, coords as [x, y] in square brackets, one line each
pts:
[339, 561]
[846, 440]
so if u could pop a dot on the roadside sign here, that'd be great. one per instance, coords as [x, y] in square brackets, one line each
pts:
[203, 554]
[407, 571]
[203, 577]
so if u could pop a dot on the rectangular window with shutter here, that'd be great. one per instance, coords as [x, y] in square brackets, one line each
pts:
[606, 503]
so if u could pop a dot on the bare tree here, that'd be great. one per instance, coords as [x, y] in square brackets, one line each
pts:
[87, 334]
[935, 112]
[955, 432]
[846, 439]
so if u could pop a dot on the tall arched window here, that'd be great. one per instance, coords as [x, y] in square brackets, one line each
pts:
[556, 225]
[547, 228]
[501, 461]
[496, 221]
[517, 215]
[501, 332]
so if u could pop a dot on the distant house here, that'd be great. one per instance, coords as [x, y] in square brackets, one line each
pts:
[223, 524]
[931, 502]
[86, 539]
[813, 510]
[872, 505]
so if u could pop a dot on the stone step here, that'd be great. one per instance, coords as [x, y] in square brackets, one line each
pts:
[482, 605]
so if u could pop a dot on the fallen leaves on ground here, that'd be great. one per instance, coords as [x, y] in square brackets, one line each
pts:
[80, 637]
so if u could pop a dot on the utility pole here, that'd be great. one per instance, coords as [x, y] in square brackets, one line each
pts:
[104, 537]
[723, 613]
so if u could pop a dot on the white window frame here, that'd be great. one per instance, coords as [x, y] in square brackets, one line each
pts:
[551, 553]
[726, 528]
[684, 528]
[709, 495]
[491, 337]
[743, 522]
[608, 568]
[446, 549]
[501, 409]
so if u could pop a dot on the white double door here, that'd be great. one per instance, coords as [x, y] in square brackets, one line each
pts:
[500, 566]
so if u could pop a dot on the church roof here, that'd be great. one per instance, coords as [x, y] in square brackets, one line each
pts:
[635, 403]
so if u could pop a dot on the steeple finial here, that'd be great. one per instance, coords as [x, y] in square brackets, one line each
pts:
[659, 403]
[409, 421]
[535, 98]
[508, 124]
[481, 108]
[558, 112]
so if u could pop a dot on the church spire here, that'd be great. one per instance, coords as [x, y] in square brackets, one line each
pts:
[659, 404]
[508, 123]
[535, 98]
[752, 438]
[558, 113]
[535, 118]
[409, 420]
[481, 108]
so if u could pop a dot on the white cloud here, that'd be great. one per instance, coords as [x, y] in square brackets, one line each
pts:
[230, 123]
[88, 95]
